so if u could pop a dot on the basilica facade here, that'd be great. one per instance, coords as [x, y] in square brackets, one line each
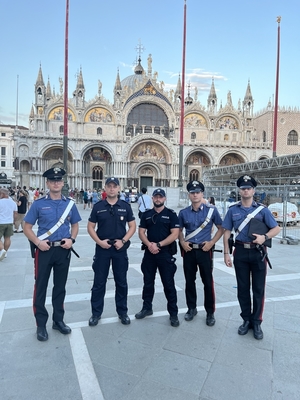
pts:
[136, 138]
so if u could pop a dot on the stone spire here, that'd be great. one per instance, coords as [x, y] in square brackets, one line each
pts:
[40, 79]
[78, 94]
[212, 98]
[31, 115]
[248, 95]
[48, 90]
[117, 92]
[178, 89]
[248, 102]
[118, 82]
[80, 84]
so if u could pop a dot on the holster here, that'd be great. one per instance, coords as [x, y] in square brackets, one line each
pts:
[32, 248]
[230, 243]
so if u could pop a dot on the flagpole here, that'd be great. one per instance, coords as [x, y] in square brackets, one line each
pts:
[65, 142]
[180, 180]
[276, 90]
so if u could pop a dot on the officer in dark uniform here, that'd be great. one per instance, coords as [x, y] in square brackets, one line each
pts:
[197, 249]
[161, 225]
[110, 217]
[55, 215]
[248, 263]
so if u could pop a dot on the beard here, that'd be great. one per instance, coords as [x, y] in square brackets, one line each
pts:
[158, 204]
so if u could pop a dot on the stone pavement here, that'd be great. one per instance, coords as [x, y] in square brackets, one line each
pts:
[149, 359]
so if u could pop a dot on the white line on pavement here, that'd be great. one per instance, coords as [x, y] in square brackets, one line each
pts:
[88, 382]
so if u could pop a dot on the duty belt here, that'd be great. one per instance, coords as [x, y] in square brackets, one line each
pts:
[196, 246]
[246, 245]
[56, 244]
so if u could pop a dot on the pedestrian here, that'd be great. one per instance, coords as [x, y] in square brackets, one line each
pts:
[109, 217]
[22, 208]
[95, 197]
[30, 197]
[250, 266]
[158, 231]
[90, 198]
[211, 200]
[8, 214]
[85, 199]
[57, 218]
[144, 202]
[197, 249]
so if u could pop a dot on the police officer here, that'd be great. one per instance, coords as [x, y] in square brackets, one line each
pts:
[109, 217]
[248, 263]
[197, 249]
[161, 225]
[53, 243]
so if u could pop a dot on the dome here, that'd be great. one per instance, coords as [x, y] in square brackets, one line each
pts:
[137, 78]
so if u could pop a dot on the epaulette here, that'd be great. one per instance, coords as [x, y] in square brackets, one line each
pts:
[261, 205]
[234, 204]
[170, 209]
[70, 198]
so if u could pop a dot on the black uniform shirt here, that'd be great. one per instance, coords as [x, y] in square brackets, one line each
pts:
[159, 225]
[111, 219]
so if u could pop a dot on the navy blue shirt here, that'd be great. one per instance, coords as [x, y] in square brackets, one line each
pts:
[192, 220]
[237, 213]
[47, 212]
[159, 225]
[111, 219]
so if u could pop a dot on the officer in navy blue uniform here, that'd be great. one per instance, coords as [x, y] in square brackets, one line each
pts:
[110, 217]
[248, 263]
[161, 225]
[52, 251]
[198, 249]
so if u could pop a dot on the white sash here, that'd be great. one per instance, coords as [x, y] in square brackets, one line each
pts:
[248, 219]
[59, 222]
[195, 232]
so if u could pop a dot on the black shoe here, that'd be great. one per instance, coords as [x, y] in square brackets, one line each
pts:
[257, 332]
[243, 329]
[61, 327]
[93, 321]
[210, 320]
[143, 313]
[191, 312]
[174, 321]
[124, 319]
[41, 333]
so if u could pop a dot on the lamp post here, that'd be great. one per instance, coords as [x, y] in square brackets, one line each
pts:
[65, 189]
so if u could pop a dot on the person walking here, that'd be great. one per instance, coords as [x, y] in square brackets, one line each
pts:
[95, 197]
[22, 209]
[107, 227]
[158, 231]
[30, 197]
[144, 202]
[57, 218]
[250, 265]
[8, 214]
[197, 249]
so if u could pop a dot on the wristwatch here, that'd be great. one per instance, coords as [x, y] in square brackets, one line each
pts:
[73, 240]
[123, 241]
[266, 237]
[158, 245]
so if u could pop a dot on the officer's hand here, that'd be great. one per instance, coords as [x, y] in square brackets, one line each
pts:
[153, 248]
[118, 244]
[259, 239]
[66, 243]
[207, 246]
[185, 246]
[227, 260]
[104, 244]
[43, 245]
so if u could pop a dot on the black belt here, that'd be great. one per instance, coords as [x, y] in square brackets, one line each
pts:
[196, 246]
[246, 245]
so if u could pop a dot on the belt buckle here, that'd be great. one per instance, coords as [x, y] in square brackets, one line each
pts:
[195, 246]
[247, 246]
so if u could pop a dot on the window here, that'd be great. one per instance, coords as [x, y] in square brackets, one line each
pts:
[3, 164]
[3, 134]
[3, 151]
[99, 131]
[194, 175]
[292, 138]
[61, 129]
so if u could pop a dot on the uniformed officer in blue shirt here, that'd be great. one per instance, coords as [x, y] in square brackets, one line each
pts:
[248, 263]
[198, 249]
[158, 231]
[109, 217]
[53, 247]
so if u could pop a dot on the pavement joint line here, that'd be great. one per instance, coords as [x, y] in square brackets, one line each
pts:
[87, 379]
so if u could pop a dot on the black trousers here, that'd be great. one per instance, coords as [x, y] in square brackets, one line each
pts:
[102, 260]
[191, 261]
[165, 263]
[249, 267]
[58, 259]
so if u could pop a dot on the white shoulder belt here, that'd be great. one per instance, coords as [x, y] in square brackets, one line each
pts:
[248, 218]
[195, 232]
[59, 222]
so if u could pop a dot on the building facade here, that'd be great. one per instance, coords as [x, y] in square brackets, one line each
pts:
[136, 138]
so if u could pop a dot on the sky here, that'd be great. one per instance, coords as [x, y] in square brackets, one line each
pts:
[232, 41]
